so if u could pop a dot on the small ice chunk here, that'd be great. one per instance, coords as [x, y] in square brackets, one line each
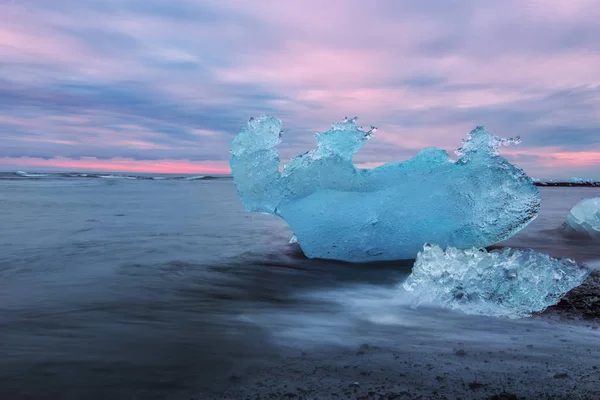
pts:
[506, 282]
[341, 212]
[584, 219]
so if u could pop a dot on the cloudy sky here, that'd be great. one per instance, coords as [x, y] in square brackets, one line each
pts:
[164, 85]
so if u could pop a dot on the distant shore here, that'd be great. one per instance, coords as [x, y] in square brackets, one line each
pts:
[568, 184]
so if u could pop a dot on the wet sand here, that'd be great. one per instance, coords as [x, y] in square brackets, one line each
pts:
[522, 360]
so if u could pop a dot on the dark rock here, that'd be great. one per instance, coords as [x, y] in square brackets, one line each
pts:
[504, 396]
[393, 396]
[476, 385]
[580, 302]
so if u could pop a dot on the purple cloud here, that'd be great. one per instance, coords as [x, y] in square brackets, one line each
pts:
[144, 80]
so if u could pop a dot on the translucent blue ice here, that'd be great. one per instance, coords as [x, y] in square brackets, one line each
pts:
[584, 219]
[508, 282]
[338, 211]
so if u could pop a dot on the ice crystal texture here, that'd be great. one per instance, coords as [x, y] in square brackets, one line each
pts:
[508, 282]
[584, 219]
[338, 211]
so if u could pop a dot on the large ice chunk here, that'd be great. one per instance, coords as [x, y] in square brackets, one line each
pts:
[584, 219]
[507, 282]
[338, 211]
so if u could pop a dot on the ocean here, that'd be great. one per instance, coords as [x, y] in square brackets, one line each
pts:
[135, 287]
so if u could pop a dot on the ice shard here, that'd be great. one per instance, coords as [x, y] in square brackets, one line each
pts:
[338, 211]
[584, 219]
[508, 282]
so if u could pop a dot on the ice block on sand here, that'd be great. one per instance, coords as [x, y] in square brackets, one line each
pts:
[338, 211]
[508, 282]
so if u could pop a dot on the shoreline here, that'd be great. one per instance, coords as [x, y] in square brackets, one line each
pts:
[566, 184]
[552, 355]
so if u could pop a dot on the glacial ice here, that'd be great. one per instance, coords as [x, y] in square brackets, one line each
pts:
[338, 211]
[583, 181]
[584, 219]
[508, 282]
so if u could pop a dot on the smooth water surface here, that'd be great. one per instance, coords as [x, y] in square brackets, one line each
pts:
[119, 288]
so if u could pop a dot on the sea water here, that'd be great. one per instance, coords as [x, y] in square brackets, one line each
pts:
[117, 288]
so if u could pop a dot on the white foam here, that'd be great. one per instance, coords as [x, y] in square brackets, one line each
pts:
[26, 175]
[594, 264]
[117, 177]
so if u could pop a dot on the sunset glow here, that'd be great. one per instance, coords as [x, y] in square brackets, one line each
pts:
[118, 165]
[164, 87]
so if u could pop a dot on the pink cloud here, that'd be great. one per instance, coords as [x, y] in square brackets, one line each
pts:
[45, 140]
[448, 136]
[140, 144]
[19, 42]
[119, 165]
[554, 157]
[330, 50]
[72, 130]
[322, 59]
[32, 36]
[575, 10]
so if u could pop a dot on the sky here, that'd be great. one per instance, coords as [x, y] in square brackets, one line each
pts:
[164, 85]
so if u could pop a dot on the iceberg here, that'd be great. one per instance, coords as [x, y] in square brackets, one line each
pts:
[506, 282]
[338, 211]
[584, 219]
